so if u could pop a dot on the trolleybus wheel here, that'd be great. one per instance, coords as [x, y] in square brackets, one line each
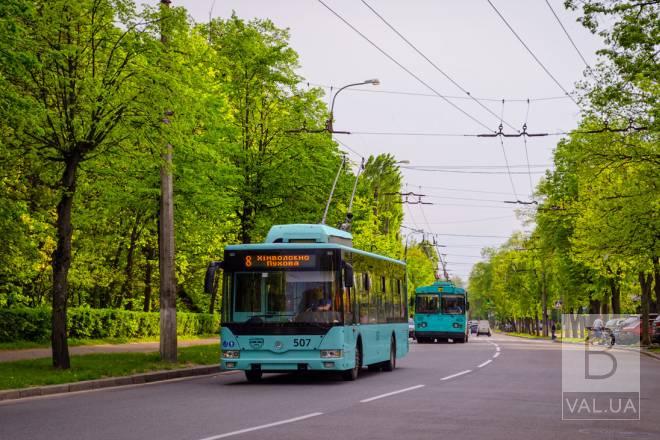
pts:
[353, 373]
[390, 364]
[253, 376]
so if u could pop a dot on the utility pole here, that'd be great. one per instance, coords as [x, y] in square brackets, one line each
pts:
[168, 344]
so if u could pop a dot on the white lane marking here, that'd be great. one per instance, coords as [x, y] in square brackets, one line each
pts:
[497, 348]
[391, 394]
[496, 355]
[268, 425]
[485, 363]
[456, 375]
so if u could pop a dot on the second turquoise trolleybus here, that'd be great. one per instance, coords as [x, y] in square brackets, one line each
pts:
[441, 313]
[307, 300]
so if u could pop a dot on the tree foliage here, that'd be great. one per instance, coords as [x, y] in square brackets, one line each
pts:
[91, 97]
[597, 226]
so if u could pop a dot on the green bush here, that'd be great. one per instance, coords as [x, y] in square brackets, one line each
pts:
[26, 324]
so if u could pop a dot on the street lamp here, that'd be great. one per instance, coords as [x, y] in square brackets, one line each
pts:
[328, 124]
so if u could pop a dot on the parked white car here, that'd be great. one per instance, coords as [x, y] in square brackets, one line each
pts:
[483, 328]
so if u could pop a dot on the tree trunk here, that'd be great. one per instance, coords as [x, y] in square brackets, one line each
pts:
[544, 305]
[605, 310]
[536, 323]
[645, 284]
[108, 300]
[615, 291]
[127, 287]
[656, 273]
[245, 234]
[574, 325]
[214, 295]
[149, 253]
[580, 326]
[61, 262]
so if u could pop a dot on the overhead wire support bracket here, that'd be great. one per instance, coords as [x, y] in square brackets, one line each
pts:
[521, 202]
[524, 132]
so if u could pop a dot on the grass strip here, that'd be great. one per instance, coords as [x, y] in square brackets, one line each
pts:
[74, 342]
[26, 373]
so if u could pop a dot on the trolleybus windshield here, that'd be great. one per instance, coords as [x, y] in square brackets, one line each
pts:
[282, 288]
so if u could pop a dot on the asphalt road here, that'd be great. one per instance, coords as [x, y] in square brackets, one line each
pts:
[491, 388]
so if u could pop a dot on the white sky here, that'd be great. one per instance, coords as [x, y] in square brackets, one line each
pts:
[468, 41]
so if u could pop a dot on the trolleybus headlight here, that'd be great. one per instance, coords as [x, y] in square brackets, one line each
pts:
[231, 354]
[330, 354]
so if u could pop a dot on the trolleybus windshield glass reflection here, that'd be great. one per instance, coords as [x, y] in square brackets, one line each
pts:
[453, 304]
[285, 296]
[427, 304]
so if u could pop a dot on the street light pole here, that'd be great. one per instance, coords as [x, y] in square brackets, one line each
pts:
[328, 124]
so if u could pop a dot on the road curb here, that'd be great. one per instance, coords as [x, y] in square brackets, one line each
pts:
[154, 376]
[649, 354]
[642, 351]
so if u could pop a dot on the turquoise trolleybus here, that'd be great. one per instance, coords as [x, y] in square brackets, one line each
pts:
[307, 300]
[441, 313]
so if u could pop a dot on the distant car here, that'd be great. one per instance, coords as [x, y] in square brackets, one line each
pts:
[411, 328]
[618, 337]
[631, 330]
[483, 328]
[613, 324]
[474, 328]
[656, 330]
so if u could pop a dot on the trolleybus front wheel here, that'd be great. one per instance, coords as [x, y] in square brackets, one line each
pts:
[253, 375]
[390, 364]
[353, 373]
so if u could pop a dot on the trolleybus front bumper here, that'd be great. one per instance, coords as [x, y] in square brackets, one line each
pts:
[438, 335]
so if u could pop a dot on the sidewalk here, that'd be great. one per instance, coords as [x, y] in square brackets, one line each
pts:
[136, 347]
[642, 350]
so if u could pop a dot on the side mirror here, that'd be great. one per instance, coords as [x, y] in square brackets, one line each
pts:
[209, 279]
[467, 305]
[348, 275]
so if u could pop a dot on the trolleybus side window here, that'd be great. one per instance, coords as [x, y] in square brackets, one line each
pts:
[364, 298]
[399, 302]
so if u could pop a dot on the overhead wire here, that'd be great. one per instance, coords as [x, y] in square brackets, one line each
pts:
[545, 69]
[477, 167]
[433, 95]
[443, 170]
[501, 217]
[404, 68]
[464, 190]
[567, 34]
[434, 65]
[349, 148]
[422, 231]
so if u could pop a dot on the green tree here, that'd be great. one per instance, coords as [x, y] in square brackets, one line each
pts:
[84, 79]
[276, 168]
